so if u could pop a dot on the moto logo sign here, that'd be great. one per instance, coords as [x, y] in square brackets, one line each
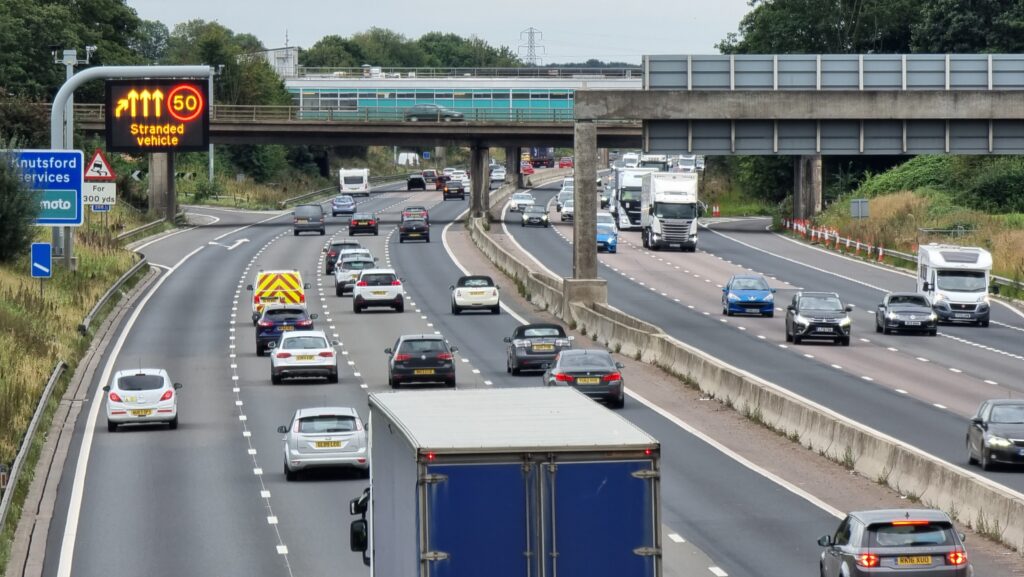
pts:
[55, 204]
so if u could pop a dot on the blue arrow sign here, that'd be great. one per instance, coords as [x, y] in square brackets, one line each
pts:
[42, 260]
[56, 176]
[426, 155]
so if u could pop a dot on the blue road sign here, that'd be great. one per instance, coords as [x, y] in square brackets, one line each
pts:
[42, 260]
[56, 175]
[101, 208]
[426, 155]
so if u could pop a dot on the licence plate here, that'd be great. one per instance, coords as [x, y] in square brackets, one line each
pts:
[301, 221]
[476, 293]
[588, 380]
[915, 560]
[824, 329]
[304, 357]
[363, 223]
[141, 412]
[913, 323]
[543, 347]
[328, 444]
[379, 293]
[423, 372]
[269, 299]
[286, 328]
[962, 315]
[414, 234]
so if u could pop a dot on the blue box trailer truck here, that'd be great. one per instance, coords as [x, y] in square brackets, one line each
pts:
[529, 482]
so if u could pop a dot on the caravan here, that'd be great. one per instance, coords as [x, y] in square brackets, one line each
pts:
[354, 181]
[956, 279]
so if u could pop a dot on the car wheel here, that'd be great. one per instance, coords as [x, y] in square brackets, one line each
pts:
[496, 310]
[878, 327]
[400, 239]
[393, 383]
[886, 330]
[984, 323]
[522, 224]
[933, 332]
[516, 370]
[619, 402]
[111, 427]
[547, 225]
[455, 309]
[789, 337]
[173, 425]
[350, 233]
[338, 290]
[259, 351]
[770, 314]
[332, 378]
[970, 455]
[845, 341]
[400, 307]
[290, 475]
[323, 231]
[428, 238]
[986, 463]
[374, 232]
[356, 308]
[796, 339]
[295, 232]
[274, 379]
[450, 384]
[728, 312]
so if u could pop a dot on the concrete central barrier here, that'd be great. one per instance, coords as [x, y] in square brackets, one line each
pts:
[986, 506]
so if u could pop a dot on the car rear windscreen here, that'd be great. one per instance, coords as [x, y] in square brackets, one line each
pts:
[378, 279]
[283, 314]
[543, 332]
[357, 264]
[327, 424]
[910, 535]
[308, 211]
[585, 362]
[304, 343]
[354, 180]
[140, 382]
[426, 346]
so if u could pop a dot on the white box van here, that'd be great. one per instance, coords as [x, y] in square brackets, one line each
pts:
[956, 279]
[354, 181]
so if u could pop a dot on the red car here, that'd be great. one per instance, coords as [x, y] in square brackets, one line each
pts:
[565, 162]
[526, 168]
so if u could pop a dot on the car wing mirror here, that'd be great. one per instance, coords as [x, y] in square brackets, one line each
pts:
[324, 250]
[995, 289]
[314, 316]
[849, 308]
[305, 285]
[388, 351]
[282, 429]
[926, 287]
[271, 345]
[177, 386]
[725, 289]
[106, 388]
[455, 349]
[790, 308]
[451, 287]
[825, 541]
[881, 306]
[506, 340]
[248, 287]
[572, 338]
[963, 537]
[620, 366]
[773, 290]
[358, 535]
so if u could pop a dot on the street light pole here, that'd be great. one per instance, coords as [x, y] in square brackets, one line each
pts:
[69, 58]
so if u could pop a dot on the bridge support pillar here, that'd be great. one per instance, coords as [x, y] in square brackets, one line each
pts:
[807, 186]
[479, 184]
[584, 246]
[163, 197]
[512, 165]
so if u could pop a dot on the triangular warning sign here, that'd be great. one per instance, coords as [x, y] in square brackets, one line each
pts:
[98, 169]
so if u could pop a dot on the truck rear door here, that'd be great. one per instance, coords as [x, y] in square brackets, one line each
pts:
[474, 520]
[600, 519]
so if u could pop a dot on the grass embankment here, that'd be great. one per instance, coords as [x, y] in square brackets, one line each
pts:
[717, 188]
[38, 329]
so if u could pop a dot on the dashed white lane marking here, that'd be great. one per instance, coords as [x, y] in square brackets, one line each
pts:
[264, 494]
[488, 383]
[867, 378]
[762, 337]
[808, 356]
[893, 349]
[902, 392]
[272, 520]
[922, 359]
[718, 572]
[257, 471]
[675, 537]
[990, 382]
[837, 367]
[954, 370]
[938, 406]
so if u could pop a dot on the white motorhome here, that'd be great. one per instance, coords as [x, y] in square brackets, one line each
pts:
[956, 279]
[669, 208]
[630, 160]
[626, 203]
[354, 181]
[657, 161]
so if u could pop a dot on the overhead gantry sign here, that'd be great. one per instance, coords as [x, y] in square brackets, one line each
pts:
[157, 115]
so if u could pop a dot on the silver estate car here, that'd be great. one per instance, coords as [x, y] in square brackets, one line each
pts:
[904, 542]
[324, 437]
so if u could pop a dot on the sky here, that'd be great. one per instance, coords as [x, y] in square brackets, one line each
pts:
[570, 30]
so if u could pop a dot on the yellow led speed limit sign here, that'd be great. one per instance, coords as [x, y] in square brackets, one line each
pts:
[158, 115]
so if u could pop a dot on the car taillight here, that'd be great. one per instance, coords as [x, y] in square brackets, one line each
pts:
[266, 324]
[563, 343]
[327, 354]
[304, 323]
[352, 223]
[956, 558]
[867, 560]
[362, 283]
[444, 357]
[458, 292]
[563, 378]
[373, 223]
[359, 425]
[167, 395]
[402, 357]
[302, 298]
[613, 377]
[396, 282]
[256, 299]
[332, 253]
[115, 398]
[295, 427]
[494, 292]
[283, 355]
[521, 343]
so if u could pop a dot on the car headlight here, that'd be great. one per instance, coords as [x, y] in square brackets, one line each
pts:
[844, 322]
[545, 217]
[733, 296]
[890, 315]
[800, 320]
[997, 442]
[933, 317]
[770, 298]
[984, 299]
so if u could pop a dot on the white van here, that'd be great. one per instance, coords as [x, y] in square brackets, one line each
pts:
[354, 181]
[630, 160]
[956, 279]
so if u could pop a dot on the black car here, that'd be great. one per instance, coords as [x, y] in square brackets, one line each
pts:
[453, 189]
[432, 112]
[343, 204]
[996, 433]
[906, 312]
[421, 359]
[535, 215]
[534, 347]
[363, 222]
[334, 250]
[818, 316]
[413, 229]
[308, 218]
[416, 182]
[592, 371]
[278, 319]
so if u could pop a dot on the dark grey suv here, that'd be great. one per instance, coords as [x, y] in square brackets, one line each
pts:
[308, 218]
[903, 542]
[818, 316]
[418, 359]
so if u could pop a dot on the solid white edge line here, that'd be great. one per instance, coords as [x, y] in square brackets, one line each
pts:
[736, 456]
[164, 237]
[67, 548]
[241, 228]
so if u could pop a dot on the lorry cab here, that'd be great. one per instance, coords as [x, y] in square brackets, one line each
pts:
[956, 280]
[628, 187]
[669, 208]
[355, 181]
[630, 160]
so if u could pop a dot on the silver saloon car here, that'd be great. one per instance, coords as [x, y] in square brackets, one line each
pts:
[324, 437]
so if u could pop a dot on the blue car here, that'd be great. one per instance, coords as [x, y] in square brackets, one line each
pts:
[343, 204]
[607, 238]
[278, 319]
[748, 293]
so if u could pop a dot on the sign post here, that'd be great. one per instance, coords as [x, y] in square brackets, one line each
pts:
[42, 263]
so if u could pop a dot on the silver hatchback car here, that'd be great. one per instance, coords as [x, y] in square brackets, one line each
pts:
[324, 437]
[904, 542]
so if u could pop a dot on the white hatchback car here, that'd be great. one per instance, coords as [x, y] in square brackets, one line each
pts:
[568, 209]
[475, 293]
[143, 396]
[378, 287]
[324, 437]
[346, 272]
[520, 200]
[303, 354]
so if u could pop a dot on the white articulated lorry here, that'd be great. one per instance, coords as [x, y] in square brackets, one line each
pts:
[669, 208]
[957, 280]
[626, 202]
